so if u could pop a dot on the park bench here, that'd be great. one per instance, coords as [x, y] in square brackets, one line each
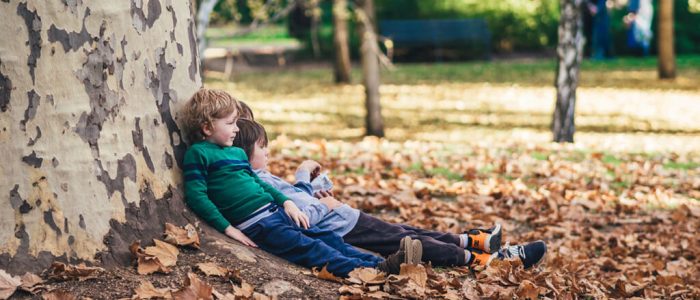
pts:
[443, 37]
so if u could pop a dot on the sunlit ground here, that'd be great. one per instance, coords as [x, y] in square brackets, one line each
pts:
[621, 105]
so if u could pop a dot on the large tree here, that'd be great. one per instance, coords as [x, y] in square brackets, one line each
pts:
[87, 126]
[369, 52]
[569, 53]
[667, 56]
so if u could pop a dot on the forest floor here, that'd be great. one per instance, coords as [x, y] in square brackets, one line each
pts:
[468, 146]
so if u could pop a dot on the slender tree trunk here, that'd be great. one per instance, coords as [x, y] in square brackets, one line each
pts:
[342, 65]
[570, 53]
[667, 54]
[91, 147]
[206, 7]
[370, 68]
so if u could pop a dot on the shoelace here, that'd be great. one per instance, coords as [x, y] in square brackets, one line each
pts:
[513, 251]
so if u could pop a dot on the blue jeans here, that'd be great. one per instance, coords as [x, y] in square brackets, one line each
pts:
[277, 234]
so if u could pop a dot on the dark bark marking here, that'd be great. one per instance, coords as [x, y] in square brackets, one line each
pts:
[126, 168]
[36, 138]
[33, 23]
[71, 240]
[179, 48]
[137, 137]
[71, 41]
[72, 5]
[194, 64]
[104, 102]
[5, 90]
[159, 83]
[15, 199]
[149, 161]
[168, 160]
[33, 160]
[169, 7]
[30, 112]
[65, 225]
[54, 162]
[49, 99]
[25, 207]
[140, 20]
[81, 223]
[48, 219]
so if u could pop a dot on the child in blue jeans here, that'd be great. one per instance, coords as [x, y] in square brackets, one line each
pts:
[475, 247]
[222, 189]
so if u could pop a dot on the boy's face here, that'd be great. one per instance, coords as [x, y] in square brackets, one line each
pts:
[222, 131]
[258, 160]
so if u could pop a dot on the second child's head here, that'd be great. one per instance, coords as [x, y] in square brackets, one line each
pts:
[252, 138]
[211, 115]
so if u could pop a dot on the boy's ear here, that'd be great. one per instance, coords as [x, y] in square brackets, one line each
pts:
[207, 129]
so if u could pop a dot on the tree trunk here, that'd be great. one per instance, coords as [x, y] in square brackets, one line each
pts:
[342, 65]
[91, 146]
[370, 67]
[667, 55]
[570, 53]
[206, 7]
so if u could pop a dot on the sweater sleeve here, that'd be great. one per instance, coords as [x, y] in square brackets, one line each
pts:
[278, 197]
[195, 177]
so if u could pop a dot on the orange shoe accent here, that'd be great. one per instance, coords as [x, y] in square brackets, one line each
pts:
[479, 240]
[481, 259]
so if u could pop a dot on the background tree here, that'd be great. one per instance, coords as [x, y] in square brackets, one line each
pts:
[369, 52]
[569, 53]
[341, 64]
[91, 147]
[667, 56]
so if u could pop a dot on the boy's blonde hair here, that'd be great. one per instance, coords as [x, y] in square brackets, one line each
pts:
[203, 108]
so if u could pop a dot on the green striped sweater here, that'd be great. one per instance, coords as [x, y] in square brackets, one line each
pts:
[220, 186]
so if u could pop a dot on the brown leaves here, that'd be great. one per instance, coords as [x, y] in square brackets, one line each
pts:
[212, 269]
[156, 258]
[147, 291]
[32, 283]
[186, 236]
[193, 289]
[61, 271]
[325, 275]
[8, 284]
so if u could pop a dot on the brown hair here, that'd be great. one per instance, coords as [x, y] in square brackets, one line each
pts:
[249, 133]
[246, 112]
[203, 108]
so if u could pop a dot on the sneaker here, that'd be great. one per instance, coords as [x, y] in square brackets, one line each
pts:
[410, 252]
[530, 254]
[481, 258]
[488, 240]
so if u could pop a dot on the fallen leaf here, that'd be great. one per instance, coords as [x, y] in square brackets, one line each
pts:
[527, 290]
[166, 253]
[366, 276]
[324, 274]
[245, 290]
[416, 273]
[350, 289]
[146, 263]
[61, 271]
[212, 269]
[8, 284]
[220, 296]
[176, 235]
[193, 289]
[147, 291]
[31, 283]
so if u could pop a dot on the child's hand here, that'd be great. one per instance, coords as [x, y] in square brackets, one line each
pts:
[330, 202]
[323, 194]
[236, 234]
[310, 166]
[296, 215]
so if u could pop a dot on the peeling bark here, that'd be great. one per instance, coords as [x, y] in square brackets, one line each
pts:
[85, 86]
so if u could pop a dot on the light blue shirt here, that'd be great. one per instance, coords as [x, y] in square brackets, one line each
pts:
[340, 220]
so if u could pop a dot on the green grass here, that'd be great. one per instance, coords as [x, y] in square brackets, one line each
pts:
[681, 166]
[445, 172]
[539, 156]
[611, 160]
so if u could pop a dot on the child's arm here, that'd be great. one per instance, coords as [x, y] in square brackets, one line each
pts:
[195, 173]
[290, 208]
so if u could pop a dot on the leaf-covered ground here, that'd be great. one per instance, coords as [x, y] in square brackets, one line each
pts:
[617, 225]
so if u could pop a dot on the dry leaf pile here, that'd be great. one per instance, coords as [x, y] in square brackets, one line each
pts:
[617, 225]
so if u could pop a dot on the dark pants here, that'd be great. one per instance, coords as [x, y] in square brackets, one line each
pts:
[279, 235]
[439, 248]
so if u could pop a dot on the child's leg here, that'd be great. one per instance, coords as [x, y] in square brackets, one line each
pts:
[444, 237]
[336, 242]
[276, 234]
[384, 238]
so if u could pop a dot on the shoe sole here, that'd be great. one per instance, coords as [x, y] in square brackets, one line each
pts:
[417, 256]
[493, 242]
[405, 245]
